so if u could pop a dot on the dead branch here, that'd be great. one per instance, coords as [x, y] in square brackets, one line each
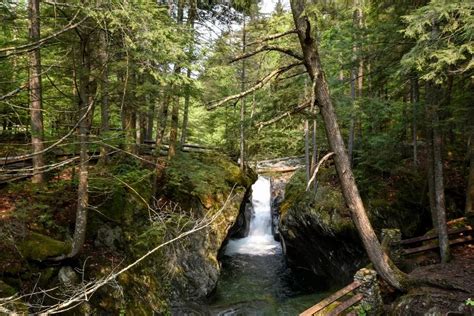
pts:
[273, 37]
[13, 92]
[297, 109]
[265, 48]
[255, 87]
[317, 169]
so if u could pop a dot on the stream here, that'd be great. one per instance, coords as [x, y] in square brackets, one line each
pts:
[255, 279]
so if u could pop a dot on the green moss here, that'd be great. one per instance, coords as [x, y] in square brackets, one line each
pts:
[327, 205]
[203, 176]
[39, 247]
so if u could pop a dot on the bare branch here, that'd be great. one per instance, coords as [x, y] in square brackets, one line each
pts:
[255, 87]
[297, 109]
[273, 37]
[317, 169]
[265, 48]
[7, 51]
[13, 92]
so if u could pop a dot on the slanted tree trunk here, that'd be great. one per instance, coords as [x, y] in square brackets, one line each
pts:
[104, 105]
[309, 47]
[37, 131]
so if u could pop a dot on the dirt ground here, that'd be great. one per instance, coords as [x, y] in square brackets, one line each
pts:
[458, 275]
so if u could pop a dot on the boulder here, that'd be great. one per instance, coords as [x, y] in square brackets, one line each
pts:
[39, 247]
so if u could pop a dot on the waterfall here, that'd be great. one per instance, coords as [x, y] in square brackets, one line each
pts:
[260, 239]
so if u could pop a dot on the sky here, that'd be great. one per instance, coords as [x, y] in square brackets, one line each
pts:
[268, 5]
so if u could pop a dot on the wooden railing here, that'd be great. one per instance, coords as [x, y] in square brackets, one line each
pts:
[12, 168]
[364, 292]
[319, 308]
[456, 236]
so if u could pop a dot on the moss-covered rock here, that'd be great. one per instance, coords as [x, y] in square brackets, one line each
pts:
[40, 247]
[193, 190]
[318, 231]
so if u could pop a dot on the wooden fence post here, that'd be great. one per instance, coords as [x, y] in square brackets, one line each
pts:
[372, 301]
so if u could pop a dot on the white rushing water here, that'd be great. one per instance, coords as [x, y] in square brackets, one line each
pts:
[260, 239]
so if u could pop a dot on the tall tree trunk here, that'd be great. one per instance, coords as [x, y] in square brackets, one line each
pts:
[307, 158]
[140, 128]
[37, 131]
[104, 105]
[357, 76]
[161, 123]
[430, 173]
[469, 210]
[242, 102]
[350, 145]
[381, 261]
[174, 128]
[129, 125]
[433, 101]
[85, 100]
[150, 118]
[187, 99]
[315, 150]
[415, 98]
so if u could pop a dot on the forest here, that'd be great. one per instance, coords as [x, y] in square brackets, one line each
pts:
[243, 157]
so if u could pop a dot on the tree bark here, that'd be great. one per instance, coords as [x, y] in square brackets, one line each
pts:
[433, 101]
[150, 118]
[192, 12]
[35, 91]
[161, 123]
[350, 145]
[174, 128]
[381, 261]
[129, 125]
[104, 105]
[85, 99]
[187, 99]
[242, 102]
[469, 210]
[415, 98]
